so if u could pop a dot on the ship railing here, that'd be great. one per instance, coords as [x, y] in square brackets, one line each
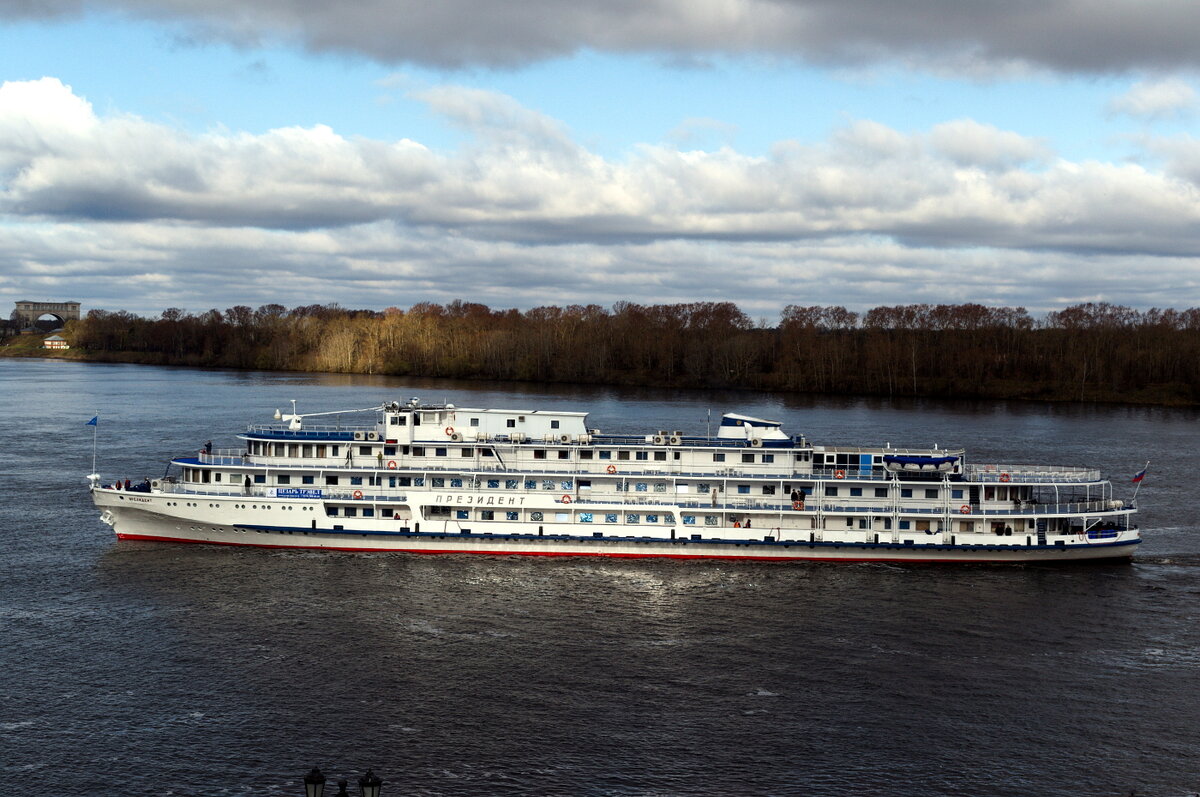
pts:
[1031, 473]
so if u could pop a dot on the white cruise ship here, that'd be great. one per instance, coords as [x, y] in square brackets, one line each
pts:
[427, 478]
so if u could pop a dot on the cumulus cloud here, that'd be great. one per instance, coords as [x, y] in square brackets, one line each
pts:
[1094, 36]
[522, 214]
[1156, 99]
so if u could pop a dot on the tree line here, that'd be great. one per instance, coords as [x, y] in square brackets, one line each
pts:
[1094, 351]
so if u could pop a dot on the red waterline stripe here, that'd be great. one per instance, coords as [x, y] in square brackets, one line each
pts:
[444, 551]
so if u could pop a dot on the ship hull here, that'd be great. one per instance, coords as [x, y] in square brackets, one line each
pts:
[136, 517]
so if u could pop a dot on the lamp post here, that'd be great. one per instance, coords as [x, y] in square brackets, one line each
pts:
[314, 785]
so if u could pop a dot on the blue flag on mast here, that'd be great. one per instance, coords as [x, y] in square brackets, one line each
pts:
[92, 422]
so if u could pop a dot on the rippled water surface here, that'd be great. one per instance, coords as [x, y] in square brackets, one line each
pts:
[147, 669]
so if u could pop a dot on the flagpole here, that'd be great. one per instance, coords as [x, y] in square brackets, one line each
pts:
[95, 431]
[1139, 484]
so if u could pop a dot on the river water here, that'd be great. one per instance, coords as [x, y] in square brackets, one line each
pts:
[156, 669]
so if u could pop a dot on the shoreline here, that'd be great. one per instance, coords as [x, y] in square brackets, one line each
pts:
[1038, 393]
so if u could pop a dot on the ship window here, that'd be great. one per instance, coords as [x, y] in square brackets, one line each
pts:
[887, 524]
[333, 450]
[622, 455]
[862, 523]
[547, 484]
[768, 489]
[277, 449]
[474, 421]
[456, 482]
[710, 520]
[351, 512]
[881, 492]
[585, 517]
[487, 514]
[260, 479]
[586, 454]
[364, 450]
[660, 456]
[389, 451]
[306, 450]
[651, 518]
[585, 484]
[368, 512]
[632, 518]
[553, 424]
[511, 423]
[905, 525]
[510, 484]
[462, 514]
[466, 452]
[689, 520]
[622, 486]
[306, 479]
[493, 484]
[906, 492]
[530, 484]
[956, 494]
[660, 487]
[931, 493]
[747, 457]
[849, 522]
[642, 456]
[320, 450]
[605, 455]
[293, 450]
[610, 517]
[418, 481]
[641, 487]
[568, 484]
[356, 480]
[856, 492]
[768, 458]
[718, 457]
[437, 481]
[510, 516]
[831, 491]
[331, 511]
[487, 452]
[539, 453]
[331, 480]
[743, 489]
[702, 487]
[564, 454]
[439, 452]
[281, 479]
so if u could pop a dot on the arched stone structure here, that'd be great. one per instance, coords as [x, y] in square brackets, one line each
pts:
[29, 312]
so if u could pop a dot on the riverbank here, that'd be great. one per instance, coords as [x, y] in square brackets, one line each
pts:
[1160, 395]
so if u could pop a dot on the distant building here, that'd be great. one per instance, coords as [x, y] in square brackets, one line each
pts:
[55, 342]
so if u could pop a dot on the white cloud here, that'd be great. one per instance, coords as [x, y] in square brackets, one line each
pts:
[1156, 99]
[524, 215]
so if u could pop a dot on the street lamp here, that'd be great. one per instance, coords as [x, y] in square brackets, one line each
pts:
[314, 785]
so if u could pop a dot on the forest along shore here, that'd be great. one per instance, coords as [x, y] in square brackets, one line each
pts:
[1089, 352]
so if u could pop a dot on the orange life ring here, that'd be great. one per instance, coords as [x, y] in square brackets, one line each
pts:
[612, 468]
[797, 504]
[1004, 477]
[449, 431]
[966, 510]
[839, 474]
[566, 499]
[358, 493]
[391, 464]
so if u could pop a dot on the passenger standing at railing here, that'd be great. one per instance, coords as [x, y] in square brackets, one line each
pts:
[208, 447]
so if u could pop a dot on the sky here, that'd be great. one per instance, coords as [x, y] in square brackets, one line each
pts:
[374, 153]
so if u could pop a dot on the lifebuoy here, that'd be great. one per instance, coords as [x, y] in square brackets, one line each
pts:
[566, 499]
[358, 493]
[839, 474]
[612, 468]
[449, 431]
[391, 464]
[966, 510]
[797, 505]
[1004, 477]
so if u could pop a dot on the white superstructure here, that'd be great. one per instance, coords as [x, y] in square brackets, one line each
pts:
[445, 479]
